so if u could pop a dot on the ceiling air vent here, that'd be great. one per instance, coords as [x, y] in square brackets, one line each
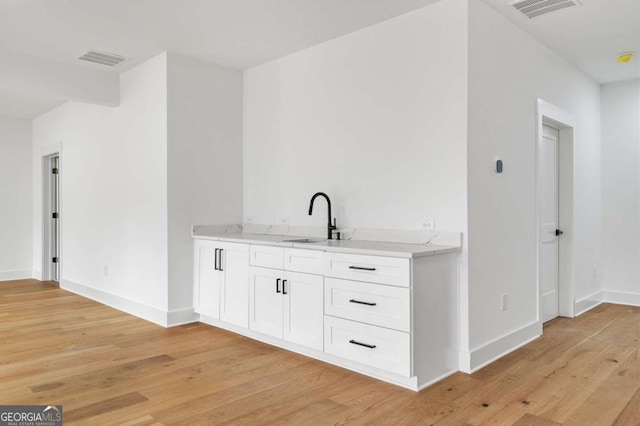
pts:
[108, 59]
[533, 8]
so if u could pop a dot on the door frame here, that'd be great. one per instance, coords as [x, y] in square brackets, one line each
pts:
[553, 116]
[46, 154]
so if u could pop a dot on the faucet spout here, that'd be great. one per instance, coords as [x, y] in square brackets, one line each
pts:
[330, 227]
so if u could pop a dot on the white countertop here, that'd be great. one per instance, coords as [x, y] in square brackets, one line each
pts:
[377, 248]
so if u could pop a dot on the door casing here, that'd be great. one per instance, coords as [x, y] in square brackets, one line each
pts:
[548, 114]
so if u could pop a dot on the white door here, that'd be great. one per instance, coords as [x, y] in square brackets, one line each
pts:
[208, 279]
[548, 222]
[266, 301]
[55, 218]
[303, 309]
[234, 297]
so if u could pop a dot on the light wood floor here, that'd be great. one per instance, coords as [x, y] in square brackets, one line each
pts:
[106, 367]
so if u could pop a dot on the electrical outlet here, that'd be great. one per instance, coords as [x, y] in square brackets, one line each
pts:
[595, 273]
[106, 270]
[284, 220]
[428, 224]
[248, 219]
[503, 302]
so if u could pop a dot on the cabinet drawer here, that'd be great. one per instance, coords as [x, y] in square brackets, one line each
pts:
[266, 256]
[378, 347]
[376, 269]
[306, 261]
[375, 304]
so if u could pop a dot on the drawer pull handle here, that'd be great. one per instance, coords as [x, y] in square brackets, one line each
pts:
[362, 268]
[355, 342]
[362, 303]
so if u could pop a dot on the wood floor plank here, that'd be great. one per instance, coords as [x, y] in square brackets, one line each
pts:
[109, 368]
[247, 406]
[105, 406]
[531, 420]
[631, 413]
[605, 404]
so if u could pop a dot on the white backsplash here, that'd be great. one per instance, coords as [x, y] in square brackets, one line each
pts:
[216, 229]
[453, 239]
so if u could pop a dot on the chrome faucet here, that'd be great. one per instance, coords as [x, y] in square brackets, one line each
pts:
[330, 227]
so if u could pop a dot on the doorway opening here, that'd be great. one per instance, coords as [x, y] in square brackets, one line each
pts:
[554, 212]
[51, 257]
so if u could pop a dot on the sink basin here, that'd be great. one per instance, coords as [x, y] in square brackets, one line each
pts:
[303, 241]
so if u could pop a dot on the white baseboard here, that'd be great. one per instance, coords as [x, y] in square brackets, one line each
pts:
[606, 296]
[21, 274]
[474, 360]
[182, 316]
[586, 303]
[621, 297]
[149, 313]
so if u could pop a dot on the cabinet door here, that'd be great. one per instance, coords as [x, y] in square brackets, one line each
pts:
[266, 301]
[207, 279]
[303, 309]
[234, 292]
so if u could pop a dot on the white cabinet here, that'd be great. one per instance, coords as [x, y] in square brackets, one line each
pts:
[362, 310]
[394, 318]
[376, 304]
[305, 261]
[378, 347]
[303, 313]
[207, 279]
[393, 315]
[374, 269]
[266, 301]
[222, 278]
[286, 304]
[234, 289]
[266, 256]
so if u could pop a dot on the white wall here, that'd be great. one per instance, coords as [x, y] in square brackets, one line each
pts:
[508, 71]
[15, 199]
[204, 161]
[113, 192]
[621, 191]
[376, 119]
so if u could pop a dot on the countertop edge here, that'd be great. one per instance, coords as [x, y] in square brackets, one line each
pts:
[422, 250]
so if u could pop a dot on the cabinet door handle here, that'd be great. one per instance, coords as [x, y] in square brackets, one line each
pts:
[362, 344]
[284, 287]
[215, 260]
[277, 285]
[362, 268]
[220, 260]
[362, 303]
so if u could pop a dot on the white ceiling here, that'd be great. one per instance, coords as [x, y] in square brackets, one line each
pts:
[244, 33]
[235, 33]
[590, 36]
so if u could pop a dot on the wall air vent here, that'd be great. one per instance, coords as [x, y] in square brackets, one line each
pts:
[108, 59]
[533, 8]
